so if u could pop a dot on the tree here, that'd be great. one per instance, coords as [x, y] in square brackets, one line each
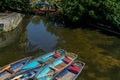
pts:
[16, 4]
[105, 11]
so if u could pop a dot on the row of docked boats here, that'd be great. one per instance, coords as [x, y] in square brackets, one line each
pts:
[56, 65]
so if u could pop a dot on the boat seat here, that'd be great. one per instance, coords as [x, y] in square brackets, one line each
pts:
[74, 69]
[56, 55]
[53, 68]
[67, 60]
[70, 55]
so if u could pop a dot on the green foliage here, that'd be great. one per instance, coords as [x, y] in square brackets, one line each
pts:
[1, 29]
[16, 4]
[72, 9]
[101, 10]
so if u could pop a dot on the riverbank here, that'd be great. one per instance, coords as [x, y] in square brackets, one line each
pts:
[10, 21]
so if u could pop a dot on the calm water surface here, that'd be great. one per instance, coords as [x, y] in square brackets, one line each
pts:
[100, 52]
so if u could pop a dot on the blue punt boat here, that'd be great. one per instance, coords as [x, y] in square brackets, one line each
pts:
[12, 68]
[71, 72]
[26, 75]
[49, 70]
[45, 59]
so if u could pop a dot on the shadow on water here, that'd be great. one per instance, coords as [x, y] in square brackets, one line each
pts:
[100, 52]
[104, 29]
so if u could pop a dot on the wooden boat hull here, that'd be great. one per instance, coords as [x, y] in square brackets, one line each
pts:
[45, 9]
[71, 72]
[12, 68]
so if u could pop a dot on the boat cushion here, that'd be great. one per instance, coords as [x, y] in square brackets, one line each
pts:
[67, 60]
[74, 69]
[56, 55]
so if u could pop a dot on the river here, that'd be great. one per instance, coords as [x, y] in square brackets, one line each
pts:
[37, 35]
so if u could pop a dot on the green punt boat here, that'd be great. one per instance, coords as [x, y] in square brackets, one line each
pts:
[10, 69]
[49, 70]
[44, 59]
[71, 72]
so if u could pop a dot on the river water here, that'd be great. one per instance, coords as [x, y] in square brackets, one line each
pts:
[37, 35]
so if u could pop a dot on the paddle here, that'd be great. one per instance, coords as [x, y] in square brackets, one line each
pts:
[5, 68]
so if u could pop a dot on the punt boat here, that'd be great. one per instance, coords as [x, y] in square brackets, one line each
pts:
[44, 59]
[49, 70]
[12, 68]
[71, 72]
[26, 75]
[30, 69]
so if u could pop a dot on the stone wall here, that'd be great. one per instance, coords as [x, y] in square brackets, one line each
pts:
[13, 37]
[7, 38]
[11, 21]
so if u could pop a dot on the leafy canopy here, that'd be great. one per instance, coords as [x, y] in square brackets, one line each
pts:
[101, 10]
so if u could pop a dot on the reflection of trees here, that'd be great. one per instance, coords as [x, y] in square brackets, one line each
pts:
[85, 44]
[36, 20]
[43, 24]
[32, 47]
[24, 44]
[47, 21]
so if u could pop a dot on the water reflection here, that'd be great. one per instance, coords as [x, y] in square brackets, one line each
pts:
[8, 38]
[39, 36]
[9, 42]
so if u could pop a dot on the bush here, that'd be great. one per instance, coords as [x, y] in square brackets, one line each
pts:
[105, 11]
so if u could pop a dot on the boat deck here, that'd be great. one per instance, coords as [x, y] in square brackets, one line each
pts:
[8, 74]
[50, 60]
[68, 76]
[61, 66]
[58, 67]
